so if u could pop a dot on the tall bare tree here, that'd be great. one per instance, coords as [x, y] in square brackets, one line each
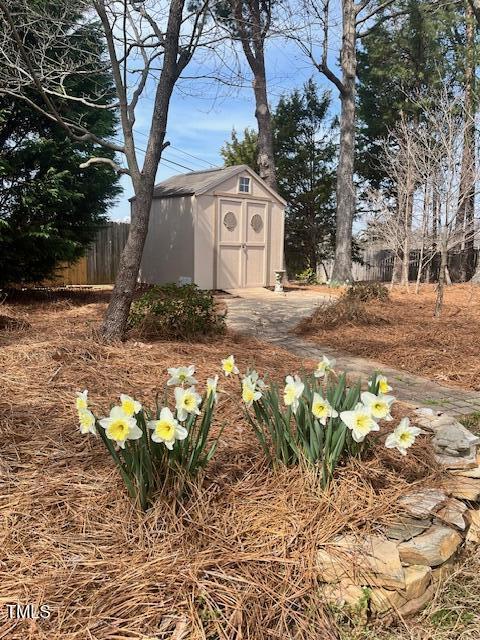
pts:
[437, 164]
[475, 7]
[149, 45]
[354, 18]
[466, 205]
[250, 22]
[357, 19]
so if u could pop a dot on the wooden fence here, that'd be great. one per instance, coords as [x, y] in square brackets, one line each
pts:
[100, 264]
[379, 267]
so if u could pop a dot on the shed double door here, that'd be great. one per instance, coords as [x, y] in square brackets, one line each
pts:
[241, 243]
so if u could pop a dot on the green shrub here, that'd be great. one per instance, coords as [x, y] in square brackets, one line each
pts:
[307, 276]
[366, 291]
[176, 312]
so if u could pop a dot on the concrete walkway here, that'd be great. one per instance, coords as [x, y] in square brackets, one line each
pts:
[271, 317]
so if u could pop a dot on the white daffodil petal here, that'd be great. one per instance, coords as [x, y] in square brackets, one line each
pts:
[359, 421]
[81, 401]
[323, 367]
[186, 402]
[292, 392]
[181, 375]
[212, 387]
[129, 406]
[180, 433]
[229, 367]
[120, 427]
[86, 420]
[383, 386]
[403, 436]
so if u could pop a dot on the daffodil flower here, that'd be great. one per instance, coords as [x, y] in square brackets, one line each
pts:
[181, 375]
[87, 421]
[120, 427]
[166, 429]
[249, 392]
[212, 387]
[379, 405]
[81, 401]
[186, 402]
[292, 392]
[255, 380]
[129, 406]
[402, 437]
[383, 386]
[324, 366]
[322, 409]
[228, 366]
[360, 422]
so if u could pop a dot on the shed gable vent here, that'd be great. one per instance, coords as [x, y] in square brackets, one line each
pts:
[230, 220]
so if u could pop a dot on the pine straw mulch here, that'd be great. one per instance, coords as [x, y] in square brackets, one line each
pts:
[445, 349]
[235, 562]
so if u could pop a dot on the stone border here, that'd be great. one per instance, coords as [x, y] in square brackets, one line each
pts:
[399, 572]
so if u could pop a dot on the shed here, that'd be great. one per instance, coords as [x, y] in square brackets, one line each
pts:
[220, 228]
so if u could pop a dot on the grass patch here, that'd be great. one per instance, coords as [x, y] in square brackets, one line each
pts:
[472, 422]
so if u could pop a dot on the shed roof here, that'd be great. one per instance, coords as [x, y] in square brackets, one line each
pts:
[193, 182]
[197, 182]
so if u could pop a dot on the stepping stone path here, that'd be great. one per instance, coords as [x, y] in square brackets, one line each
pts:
[272, 316]
[397, 569]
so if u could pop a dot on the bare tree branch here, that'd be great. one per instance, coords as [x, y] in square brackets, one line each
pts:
[97, 160]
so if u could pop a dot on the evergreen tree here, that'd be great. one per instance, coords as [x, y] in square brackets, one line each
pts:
[243, 151]
[51, 209]
[304, 152]
[400, 63]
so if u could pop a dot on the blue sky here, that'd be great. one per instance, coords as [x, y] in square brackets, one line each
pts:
[203, 115]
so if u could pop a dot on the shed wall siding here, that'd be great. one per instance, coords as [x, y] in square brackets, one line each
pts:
[169, 247]
[276, 240]
[204, 207]
[257, 190]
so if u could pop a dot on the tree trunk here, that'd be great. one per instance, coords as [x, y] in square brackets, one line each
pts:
[118, 310]
[342, 269]
[406, 262]
[448, 279]
[266, 161]
[466, 209]
[419, 270]
[116, 317]
[397, 267]
[441, 282]
[425, 216]
[249, 20]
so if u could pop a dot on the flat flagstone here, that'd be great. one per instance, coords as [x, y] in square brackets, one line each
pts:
[371, 560]
[271, 317]
[431, 548]
[423, 503]
[464, 488]
[452, 513]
